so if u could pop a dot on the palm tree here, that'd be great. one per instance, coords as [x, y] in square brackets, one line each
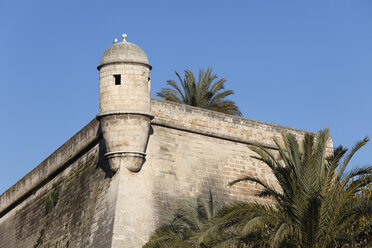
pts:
[315, 206]
[203, 94]
[181, 224]
[361, 231]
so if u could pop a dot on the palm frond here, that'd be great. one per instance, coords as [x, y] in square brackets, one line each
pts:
[204, 93]
[355, 148]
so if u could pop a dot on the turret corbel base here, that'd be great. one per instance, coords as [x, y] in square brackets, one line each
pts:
[133, 161]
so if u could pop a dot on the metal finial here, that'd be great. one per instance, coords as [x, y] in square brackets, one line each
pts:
[124, 37]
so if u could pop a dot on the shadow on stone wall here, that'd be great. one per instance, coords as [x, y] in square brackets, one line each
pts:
[169, 196]
[103, 163]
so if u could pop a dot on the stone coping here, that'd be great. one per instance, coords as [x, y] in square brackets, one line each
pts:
[50, 167]
[225, 117]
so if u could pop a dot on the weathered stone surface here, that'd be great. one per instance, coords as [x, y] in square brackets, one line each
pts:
[74, 209]
[132, 94]
[190, 151]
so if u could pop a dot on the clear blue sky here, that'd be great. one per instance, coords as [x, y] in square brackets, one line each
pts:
[303, 64]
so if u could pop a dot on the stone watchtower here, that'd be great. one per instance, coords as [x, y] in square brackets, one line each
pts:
[124, 104]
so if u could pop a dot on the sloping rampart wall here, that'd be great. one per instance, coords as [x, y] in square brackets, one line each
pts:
[73, 200]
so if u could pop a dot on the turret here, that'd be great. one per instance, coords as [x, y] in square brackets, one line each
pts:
[124, 104]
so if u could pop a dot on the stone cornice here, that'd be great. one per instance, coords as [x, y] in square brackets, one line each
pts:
[127, 62]
[125, 112]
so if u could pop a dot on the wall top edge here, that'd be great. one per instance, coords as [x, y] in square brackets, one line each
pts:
[51, 164]
[225, 117]
[92, 131]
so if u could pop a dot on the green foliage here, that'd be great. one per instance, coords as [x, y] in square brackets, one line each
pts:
[54, 197]
[361, 231]
[180, 225]
[39, 241]
[203, 94]
[62, 241]
[316, 204]
[52, 201]
[48, 206]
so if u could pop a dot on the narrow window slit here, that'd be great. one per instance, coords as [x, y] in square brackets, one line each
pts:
[117, 79]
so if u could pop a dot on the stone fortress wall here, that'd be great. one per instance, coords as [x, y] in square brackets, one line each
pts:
[72, 198]
[108, 186]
